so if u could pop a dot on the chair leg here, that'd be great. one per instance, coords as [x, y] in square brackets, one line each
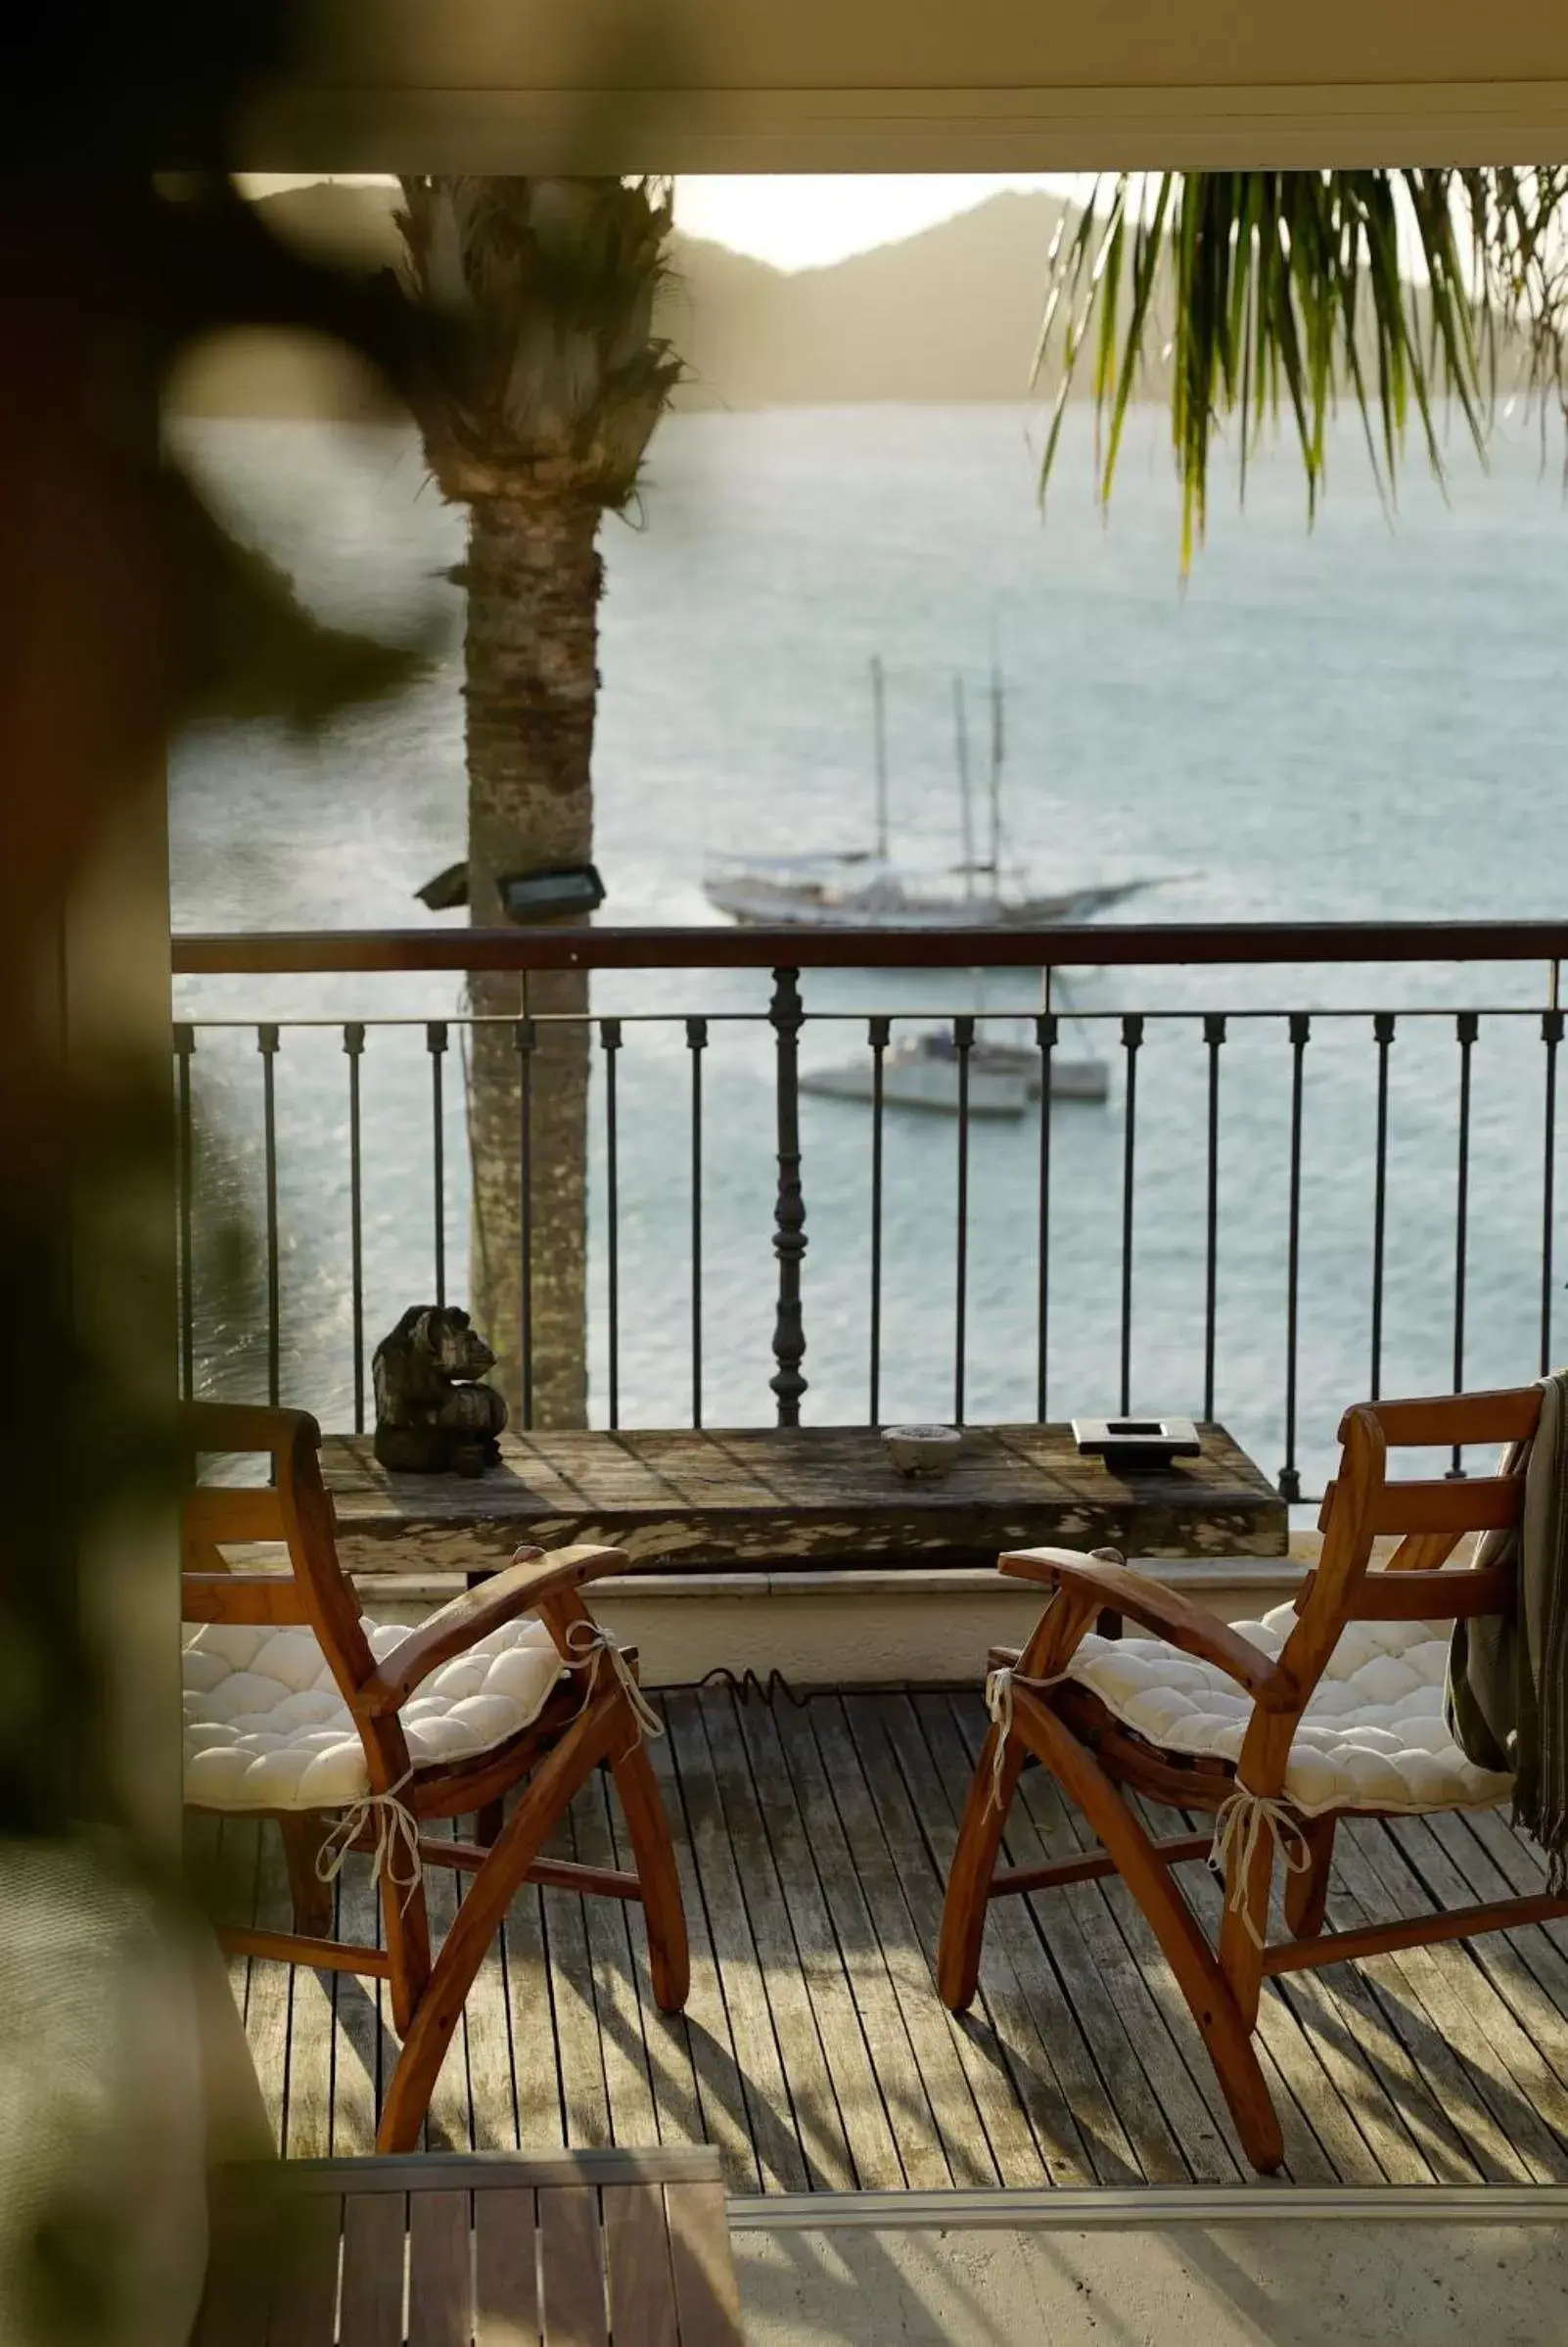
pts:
[653, 1852]
[303, 1833]
[1201, 1978]
[1307, 1893]
[1244, 1926]
[974, 1863]
[406, 1927]
[488, 1824]
[543, 1803]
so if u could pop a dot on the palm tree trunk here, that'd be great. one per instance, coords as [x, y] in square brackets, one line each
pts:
[534, 583]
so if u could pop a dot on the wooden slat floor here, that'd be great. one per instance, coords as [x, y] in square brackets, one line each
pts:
[813, 1842]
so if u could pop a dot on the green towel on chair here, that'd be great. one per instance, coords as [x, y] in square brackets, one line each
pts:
[1507, 1699]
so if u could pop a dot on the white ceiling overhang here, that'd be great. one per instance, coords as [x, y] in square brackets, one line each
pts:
[919, 86]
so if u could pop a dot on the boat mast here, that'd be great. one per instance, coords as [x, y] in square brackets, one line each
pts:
[997, 753]
[965, 796]
[879, 734]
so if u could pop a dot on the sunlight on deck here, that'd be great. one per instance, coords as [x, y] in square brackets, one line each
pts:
[814, 1840]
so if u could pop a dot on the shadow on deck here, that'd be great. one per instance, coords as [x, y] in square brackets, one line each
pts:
[813, 1843]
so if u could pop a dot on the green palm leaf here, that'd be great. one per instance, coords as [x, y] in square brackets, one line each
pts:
[1398, 291]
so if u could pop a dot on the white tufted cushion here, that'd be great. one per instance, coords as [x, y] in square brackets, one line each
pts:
[265, 1726]
[1371, 1737]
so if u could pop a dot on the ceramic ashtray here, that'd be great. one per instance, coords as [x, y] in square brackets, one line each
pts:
[922, 1450]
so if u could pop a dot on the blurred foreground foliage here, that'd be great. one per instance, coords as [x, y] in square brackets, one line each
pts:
[126, 608]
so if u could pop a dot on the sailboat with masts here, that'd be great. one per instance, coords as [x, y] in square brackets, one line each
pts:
[866, 889]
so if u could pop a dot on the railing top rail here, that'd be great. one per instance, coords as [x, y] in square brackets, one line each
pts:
[1122, 945]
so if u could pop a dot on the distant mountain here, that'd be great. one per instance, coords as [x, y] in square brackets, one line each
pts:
[950, 315]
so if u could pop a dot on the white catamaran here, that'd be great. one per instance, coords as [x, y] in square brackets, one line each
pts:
[866, 889]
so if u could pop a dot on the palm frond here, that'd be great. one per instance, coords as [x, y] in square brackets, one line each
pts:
[555, 377]
[1287, 292]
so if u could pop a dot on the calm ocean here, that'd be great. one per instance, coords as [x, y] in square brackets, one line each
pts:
[1363, 721]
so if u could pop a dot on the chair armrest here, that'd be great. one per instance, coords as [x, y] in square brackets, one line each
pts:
[527, 1584]
[1115, 1587]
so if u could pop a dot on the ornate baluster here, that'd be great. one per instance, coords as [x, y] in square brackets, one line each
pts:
[786, 1017]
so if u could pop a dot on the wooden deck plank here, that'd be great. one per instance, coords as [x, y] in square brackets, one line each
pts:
[707, 2286]
[440, 2273]
[1070, 1933]
[1348, 2031]
[448, 2122]
[666, 2038]
[1463, 2002]
[1044, 1827]
[617, 2009]
[362, 2052]
[374, 2253]
[310, 2064]
[1413, 2066]
[1512, 1853]
[793, 2024]
[572, 2268]
[536, 2061]
[812, 1844]
[1306, 2160]
[641, 2283]
[903, 2091]
[1057, 1834]
[1345, 2028]
[583, 2098]
[268, 1984]
[760, 1497]
[1078, 2128]
[1447, 1985]
[488, 2040]
[770, 2118]
[818, 2120]
[506, 2293]
[704, 2029]
[1287, 2047]
[1519, 1865]
[866, 2126]
[1517, 1965]
[908, 1916]
[1545, 1966]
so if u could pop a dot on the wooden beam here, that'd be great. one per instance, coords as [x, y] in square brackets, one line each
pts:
[1247, 125]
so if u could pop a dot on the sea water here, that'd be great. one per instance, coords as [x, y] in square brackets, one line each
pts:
[1363, 720]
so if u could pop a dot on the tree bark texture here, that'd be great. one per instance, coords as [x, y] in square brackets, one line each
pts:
[534, 585]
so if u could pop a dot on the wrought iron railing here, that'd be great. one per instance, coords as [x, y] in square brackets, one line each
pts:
[1529, 955]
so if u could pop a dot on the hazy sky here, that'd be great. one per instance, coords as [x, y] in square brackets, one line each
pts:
[801, 223]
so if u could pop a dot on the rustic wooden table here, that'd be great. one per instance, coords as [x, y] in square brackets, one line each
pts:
[764, 1498]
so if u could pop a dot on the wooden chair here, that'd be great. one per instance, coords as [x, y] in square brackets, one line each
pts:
[498, 2247]
[1235, 1741]
[591, 1713]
